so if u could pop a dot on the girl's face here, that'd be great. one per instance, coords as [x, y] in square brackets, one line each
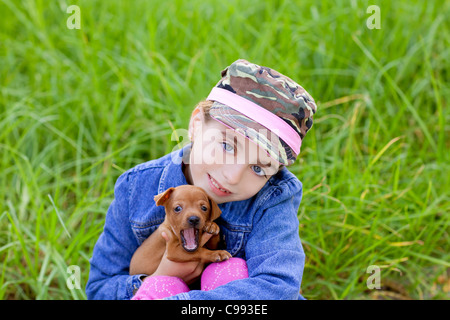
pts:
[224, 163]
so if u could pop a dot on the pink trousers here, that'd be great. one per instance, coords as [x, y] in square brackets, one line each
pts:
[214, 275]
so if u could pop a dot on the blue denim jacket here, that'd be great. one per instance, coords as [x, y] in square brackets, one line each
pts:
[263, 230]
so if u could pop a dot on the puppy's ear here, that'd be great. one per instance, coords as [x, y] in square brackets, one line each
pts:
[215, 211]
[161, 198]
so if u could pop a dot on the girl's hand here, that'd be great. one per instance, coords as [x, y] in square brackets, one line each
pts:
[189, 272]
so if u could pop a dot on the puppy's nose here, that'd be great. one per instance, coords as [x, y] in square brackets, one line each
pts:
[193, 220]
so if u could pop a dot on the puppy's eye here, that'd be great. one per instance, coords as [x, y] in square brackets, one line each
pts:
[204, 208]
[178, 209]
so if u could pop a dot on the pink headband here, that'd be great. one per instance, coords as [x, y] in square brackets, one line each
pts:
[258, 114]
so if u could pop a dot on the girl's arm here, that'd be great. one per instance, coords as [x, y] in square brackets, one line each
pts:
[109, 276]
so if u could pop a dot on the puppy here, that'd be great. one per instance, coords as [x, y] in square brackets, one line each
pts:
[189, 213]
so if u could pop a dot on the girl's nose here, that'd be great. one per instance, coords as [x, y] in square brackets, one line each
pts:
[234, 173]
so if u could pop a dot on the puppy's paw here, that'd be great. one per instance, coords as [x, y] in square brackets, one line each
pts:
[221, 255]
[211, 227]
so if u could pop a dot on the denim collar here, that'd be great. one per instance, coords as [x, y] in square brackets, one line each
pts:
[173, 175]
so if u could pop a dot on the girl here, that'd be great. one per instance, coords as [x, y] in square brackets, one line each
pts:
[250, 127]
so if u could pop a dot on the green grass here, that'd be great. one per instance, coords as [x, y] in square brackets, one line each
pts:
[78, 107]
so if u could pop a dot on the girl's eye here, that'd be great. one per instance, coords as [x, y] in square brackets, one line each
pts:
[227, 147]
[204, 208]
[178, 209]
[258, 170]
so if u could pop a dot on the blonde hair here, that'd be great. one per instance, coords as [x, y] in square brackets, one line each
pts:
[204, 106]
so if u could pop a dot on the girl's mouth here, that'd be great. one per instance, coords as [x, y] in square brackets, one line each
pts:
[217, 188]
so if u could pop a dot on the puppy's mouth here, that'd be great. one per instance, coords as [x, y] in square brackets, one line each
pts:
[189, 239]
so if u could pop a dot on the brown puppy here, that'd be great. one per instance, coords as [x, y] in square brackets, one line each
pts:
[189, 213]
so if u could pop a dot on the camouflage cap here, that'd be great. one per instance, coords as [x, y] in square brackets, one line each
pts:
[265, 106]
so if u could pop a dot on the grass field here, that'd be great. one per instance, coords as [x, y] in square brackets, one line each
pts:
[80, 106]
